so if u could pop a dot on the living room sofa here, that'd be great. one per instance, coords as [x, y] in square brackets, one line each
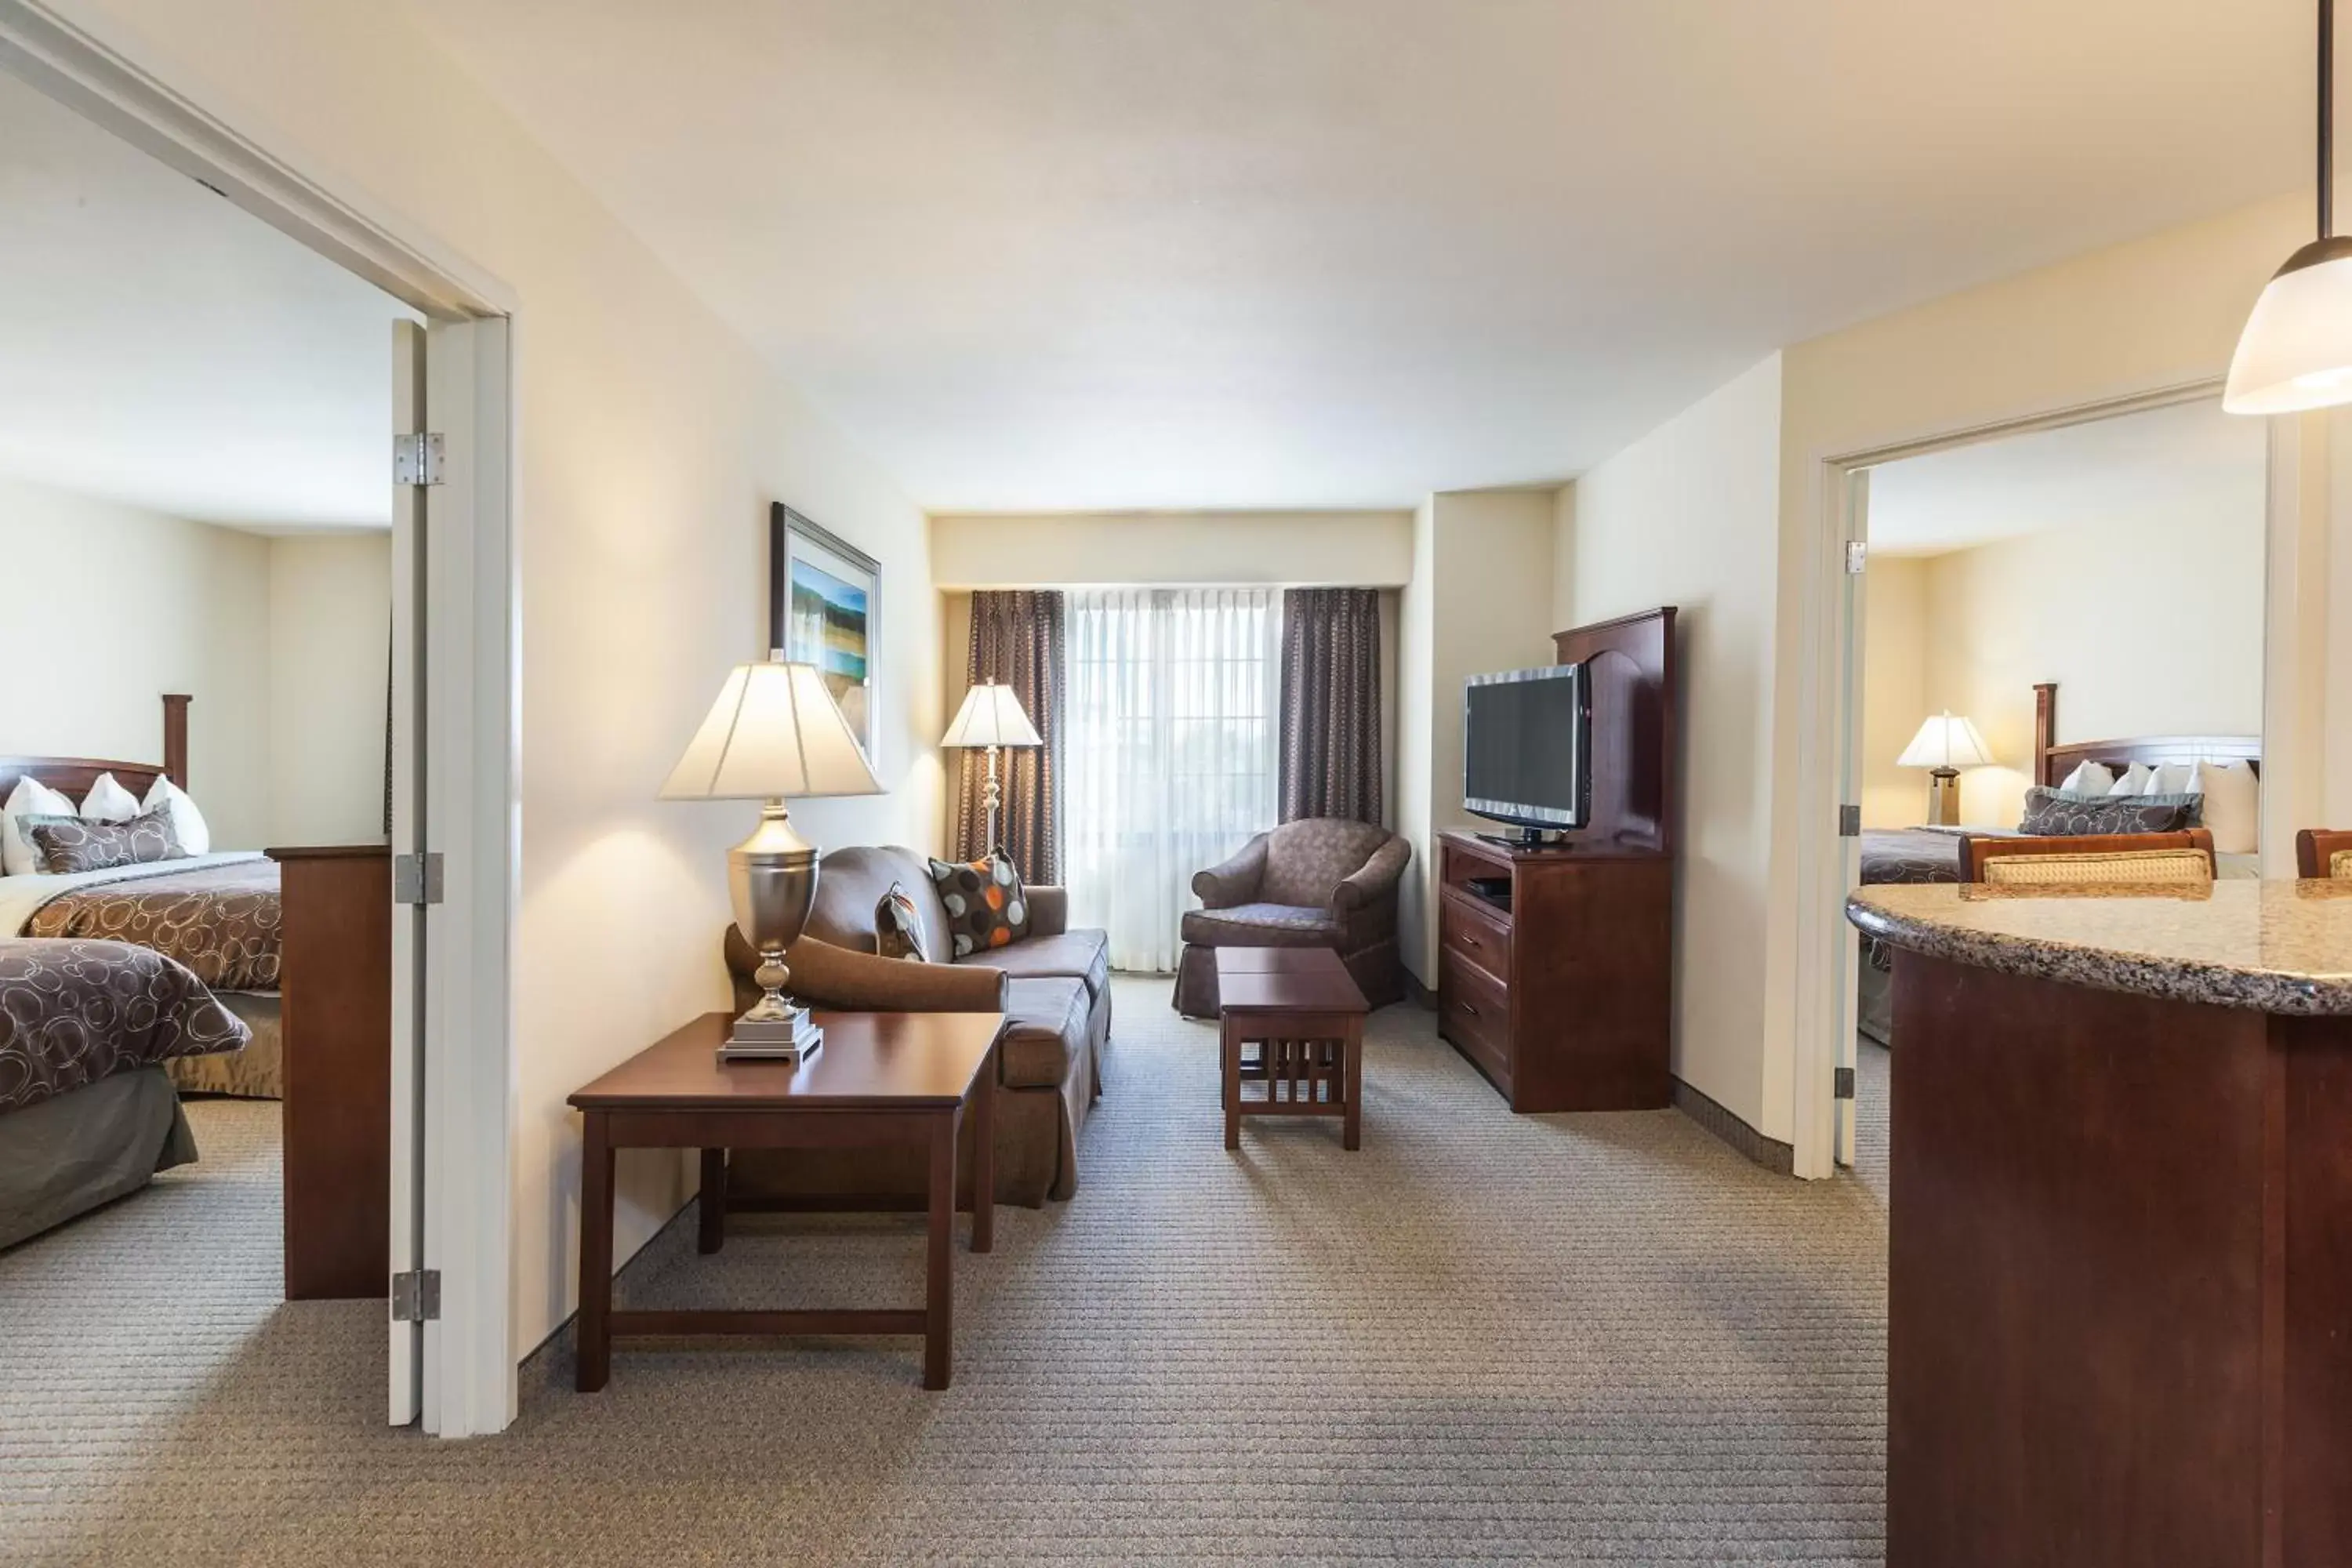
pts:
[1053, 988]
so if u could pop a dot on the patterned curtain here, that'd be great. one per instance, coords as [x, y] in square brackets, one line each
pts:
[1017, 637]
[1331, 703]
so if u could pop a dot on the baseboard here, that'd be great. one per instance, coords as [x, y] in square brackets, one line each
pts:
[1773, 1155]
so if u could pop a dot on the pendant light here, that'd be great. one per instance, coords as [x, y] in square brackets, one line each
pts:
[2297, 350]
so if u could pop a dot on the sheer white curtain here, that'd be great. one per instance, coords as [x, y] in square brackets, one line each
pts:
[1170, 753]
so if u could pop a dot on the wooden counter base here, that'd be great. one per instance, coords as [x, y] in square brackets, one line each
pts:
[2119, 1279]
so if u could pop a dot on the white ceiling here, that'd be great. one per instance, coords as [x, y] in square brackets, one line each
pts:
[161, 348]
[2192, 460]
[1045, 254]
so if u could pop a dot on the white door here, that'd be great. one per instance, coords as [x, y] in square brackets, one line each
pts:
[1857, 600]
[454, 838]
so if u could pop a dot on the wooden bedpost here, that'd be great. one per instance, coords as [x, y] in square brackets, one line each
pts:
[175, 738]
[2045, 729]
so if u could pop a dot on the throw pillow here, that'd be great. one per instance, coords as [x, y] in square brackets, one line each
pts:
[986, 907]
[2133, 780]
[2089, 778]
[76, 844]
[17, 856]
[897, 933]
[108, 801]
[188, 825]
[2051, 813]
[2233, 805]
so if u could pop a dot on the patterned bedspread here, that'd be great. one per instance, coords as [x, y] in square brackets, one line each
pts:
[221, 921]
[1909, 855]
[72, 1012]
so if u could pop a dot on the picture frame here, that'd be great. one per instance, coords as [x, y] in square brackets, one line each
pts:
[825, 599]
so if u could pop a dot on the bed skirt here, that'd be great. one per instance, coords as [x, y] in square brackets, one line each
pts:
[257, 1072]
[66, 1156]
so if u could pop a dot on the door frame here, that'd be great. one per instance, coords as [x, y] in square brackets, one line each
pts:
[1826, 945]
[470, 1385]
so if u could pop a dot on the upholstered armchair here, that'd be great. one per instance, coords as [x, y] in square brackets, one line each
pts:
[1320, 883]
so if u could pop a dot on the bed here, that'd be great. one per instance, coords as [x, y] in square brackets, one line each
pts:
[1917, 855]
[218, 914]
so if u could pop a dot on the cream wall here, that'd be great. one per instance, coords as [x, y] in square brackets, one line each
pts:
[1893, 688]
[1296, 549]
[329, 656]
[1687, 516]
[116, 606]
[650, 441]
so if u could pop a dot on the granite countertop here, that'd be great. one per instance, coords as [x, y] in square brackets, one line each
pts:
[2278, 947]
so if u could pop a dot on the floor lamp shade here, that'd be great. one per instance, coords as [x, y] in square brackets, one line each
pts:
[774, 734]
[992, 716]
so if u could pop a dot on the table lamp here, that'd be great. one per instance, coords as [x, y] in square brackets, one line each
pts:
[1945, 744]
[774, 734]
[991, 717]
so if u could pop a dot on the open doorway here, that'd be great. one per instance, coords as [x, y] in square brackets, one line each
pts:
[238, 641]
[2054, 614]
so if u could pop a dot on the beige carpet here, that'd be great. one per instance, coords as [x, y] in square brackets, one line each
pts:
[1483, 1338]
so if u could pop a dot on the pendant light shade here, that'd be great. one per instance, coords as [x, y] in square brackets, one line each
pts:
[2296, 351]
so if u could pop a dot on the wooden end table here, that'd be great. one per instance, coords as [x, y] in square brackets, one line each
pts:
[1304, 1012]
[882, 1078]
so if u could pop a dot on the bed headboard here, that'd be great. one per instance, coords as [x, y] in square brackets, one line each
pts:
[75, 775]
[2052, 762]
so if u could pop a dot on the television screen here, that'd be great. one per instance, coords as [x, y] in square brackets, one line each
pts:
[1523, 746]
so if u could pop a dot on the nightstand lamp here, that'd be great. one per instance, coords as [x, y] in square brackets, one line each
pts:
[774, 734]
[1944, 745]
[991, 717]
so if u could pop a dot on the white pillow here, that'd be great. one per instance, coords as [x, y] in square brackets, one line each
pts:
[187, 823]
[2170, 778]
[2088, 778]
[2133, 781]
[2233, 805]
[17, 856]
[108, 802]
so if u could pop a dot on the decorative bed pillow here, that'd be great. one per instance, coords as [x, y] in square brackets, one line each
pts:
[108, 801]
[986, 907]
[2133, 780]
[29, 798]
[76, 844]
[2089, 778]
[188, 825]
[2233, 804]
[898, 934]
[2055, 814]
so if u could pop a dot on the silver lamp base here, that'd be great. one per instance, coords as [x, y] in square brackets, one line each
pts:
[772, 880]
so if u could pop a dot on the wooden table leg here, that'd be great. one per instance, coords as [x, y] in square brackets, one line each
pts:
[594, 1360]
[712, 1236]
[1351, 1133]
[983, 1156]
[938, 1284]
[1229, 1051]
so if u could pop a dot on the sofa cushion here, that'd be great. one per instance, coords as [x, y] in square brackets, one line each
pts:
[1045, 1031]
[1261, 925]
[1074, 954]
[849, 888]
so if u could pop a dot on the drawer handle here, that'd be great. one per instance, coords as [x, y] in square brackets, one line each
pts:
[1469, 940]
[1466, 1007]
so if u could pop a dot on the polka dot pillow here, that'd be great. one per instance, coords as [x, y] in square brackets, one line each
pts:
[985, 905]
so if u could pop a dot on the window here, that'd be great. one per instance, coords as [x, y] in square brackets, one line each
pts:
[1170, 752]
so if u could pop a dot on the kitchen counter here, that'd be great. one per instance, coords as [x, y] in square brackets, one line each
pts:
[2274, 947]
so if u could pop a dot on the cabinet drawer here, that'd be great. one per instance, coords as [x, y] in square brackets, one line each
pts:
[1473, 933]
[1475, 1011]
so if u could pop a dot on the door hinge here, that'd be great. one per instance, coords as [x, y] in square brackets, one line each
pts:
[417, 1296]
[416, 460]
[1849, 822]
[1842, 1084]
[1857, 550]
[417, 879]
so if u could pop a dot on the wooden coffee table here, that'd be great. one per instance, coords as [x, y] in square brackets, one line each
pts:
[1305, 1013]
[881, 1079]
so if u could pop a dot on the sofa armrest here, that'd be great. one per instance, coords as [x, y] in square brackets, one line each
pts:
[1049, 909]
[824, 976]
[1375, 879]
[1237, 880]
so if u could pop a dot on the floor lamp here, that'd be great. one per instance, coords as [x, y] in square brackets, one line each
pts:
[991, 717]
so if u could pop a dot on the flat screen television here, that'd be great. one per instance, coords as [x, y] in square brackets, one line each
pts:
[1526, 744]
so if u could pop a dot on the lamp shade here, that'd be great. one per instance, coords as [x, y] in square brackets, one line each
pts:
[991, 716]
[1945, 741]
[775, 733]
[2297, 350]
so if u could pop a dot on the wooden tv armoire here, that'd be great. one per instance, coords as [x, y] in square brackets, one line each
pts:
[1560, 990]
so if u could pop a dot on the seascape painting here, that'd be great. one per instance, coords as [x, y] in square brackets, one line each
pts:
[822, 600]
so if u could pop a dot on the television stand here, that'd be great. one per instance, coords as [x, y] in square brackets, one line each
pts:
[1525, 838]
